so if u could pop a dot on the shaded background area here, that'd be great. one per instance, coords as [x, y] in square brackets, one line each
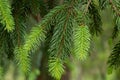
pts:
[94, 68]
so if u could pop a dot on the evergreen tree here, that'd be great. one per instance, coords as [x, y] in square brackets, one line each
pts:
[62, 29]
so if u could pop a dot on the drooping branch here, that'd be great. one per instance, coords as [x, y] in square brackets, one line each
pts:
[6, 15]
[32, 42]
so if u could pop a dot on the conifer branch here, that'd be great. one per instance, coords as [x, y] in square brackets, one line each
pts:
[68, 25]
[34, 39]
[62, 40]
[103, 4]
[114, 7]
[95, 24]
[114, 58]
[22, 59]
[5, 13]
[56, 68]
[81, 42]
[61, 43]
[115, 32]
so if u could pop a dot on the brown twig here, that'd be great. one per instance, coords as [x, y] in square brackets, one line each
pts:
[88, 4]
[114, 7]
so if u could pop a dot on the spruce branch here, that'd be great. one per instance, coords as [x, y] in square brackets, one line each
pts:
[34, 39]
[115, 32]
[81, 42]
[22, 59]
[103, 4]
[95, 24]
[114, 58]
[116, 29]
[61, 43]
[20, 30]
[6, 43]
[56, 68]
[114, 7]
[6, 15]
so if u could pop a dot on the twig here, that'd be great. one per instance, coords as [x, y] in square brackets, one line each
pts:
[88, 4]
[114, 7]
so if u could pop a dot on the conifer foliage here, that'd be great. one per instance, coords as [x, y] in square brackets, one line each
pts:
[6, 15]
[70, 24]
[81, 41]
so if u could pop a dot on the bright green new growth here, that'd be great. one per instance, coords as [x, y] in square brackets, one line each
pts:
[56, 68]
[36, 36]
[81, 41]
[23, 60]
[6, 15]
